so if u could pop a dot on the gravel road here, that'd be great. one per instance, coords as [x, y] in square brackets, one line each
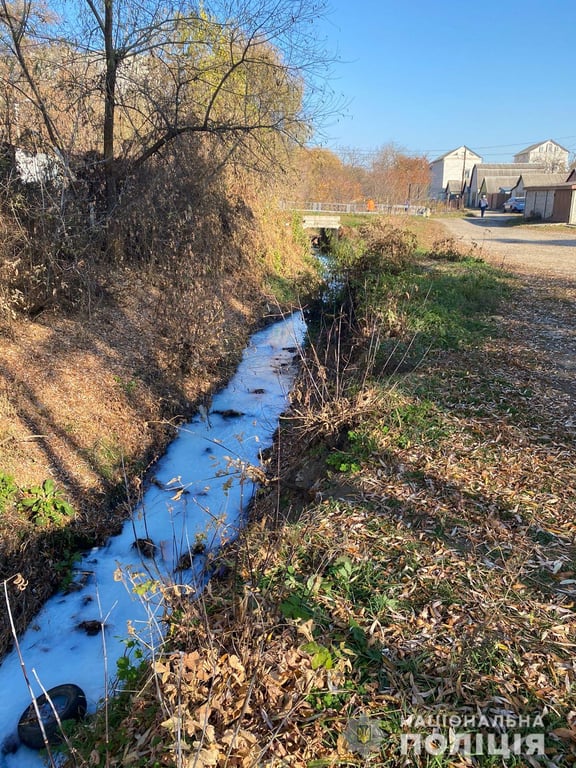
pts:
[528, 248]
[540, 326]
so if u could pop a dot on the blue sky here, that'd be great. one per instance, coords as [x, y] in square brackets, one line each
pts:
[431, 75]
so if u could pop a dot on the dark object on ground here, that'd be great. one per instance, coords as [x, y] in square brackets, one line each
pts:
[221, 571]
[230, 413]
[145, 547]
[184, 562]
[69, 702]
[91, 627]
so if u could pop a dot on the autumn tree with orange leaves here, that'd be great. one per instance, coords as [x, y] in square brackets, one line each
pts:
[392, 177]
[397, 177]
[324, 177]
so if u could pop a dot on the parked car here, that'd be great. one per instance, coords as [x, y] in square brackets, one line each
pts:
[515, 205]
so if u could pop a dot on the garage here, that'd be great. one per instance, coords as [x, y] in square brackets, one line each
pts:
[551, 202]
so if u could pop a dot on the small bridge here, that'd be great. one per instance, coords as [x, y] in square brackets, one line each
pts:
[321, 221]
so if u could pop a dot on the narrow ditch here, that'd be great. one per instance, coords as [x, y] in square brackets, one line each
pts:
[196, 502]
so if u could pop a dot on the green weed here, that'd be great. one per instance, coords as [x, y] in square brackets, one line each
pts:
[447, 307]
[361, 445]
[416, 422]
[128, 386]
[131, 666]
[65, 568]
[321, 656]
[300, 602]
[45, 505]
[106, 456]
[8, 490]
[341, 463]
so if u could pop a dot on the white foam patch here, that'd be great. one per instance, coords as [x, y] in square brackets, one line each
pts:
[200, 493]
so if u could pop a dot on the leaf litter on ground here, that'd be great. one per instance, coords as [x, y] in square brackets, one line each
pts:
[440, 584]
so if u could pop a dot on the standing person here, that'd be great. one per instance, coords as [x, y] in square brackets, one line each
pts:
[483, 205]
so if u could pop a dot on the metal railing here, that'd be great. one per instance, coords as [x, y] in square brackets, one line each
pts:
[315, 207]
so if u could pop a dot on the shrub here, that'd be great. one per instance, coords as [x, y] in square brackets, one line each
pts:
[387, 248]
[375, 248]
[450, 249]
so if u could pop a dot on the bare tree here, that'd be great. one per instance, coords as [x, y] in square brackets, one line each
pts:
[137, 75]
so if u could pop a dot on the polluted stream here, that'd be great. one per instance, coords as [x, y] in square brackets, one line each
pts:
[195, 504]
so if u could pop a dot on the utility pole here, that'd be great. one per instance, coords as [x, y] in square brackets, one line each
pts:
[463, 175]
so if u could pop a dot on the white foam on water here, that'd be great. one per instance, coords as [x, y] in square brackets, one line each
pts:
[200, 492]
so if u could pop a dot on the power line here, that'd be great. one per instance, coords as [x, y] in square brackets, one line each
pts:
[503, 146]
[370, 154]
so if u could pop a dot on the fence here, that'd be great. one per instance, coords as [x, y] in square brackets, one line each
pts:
[370, 207]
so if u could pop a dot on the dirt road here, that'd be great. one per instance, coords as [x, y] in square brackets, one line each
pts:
[528, 248]
[540, 325]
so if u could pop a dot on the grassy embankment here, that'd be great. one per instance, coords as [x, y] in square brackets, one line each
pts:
[410, 561]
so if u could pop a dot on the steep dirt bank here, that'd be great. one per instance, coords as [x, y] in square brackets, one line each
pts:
[90, 400]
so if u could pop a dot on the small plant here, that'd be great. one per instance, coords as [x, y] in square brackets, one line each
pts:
[199, 546]
[129, 668]
[44, 503]
[8, 490]
[321, 656]
[106, 455]
[387, 248]
[341, 462]
[361, 447]
[129, 387]
[65, 568]
[418, 422]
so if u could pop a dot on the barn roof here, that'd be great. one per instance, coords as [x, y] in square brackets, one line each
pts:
[494, 183]
[506, 169]
[454, 185]
[446, 154]
[532, 179]
[563, 185]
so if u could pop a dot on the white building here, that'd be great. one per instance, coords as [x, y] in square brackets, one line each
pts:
[548, 153]
[454, 166]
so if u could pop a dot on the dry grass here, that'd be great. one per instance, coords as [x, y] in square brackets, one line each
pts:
[435, 580]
